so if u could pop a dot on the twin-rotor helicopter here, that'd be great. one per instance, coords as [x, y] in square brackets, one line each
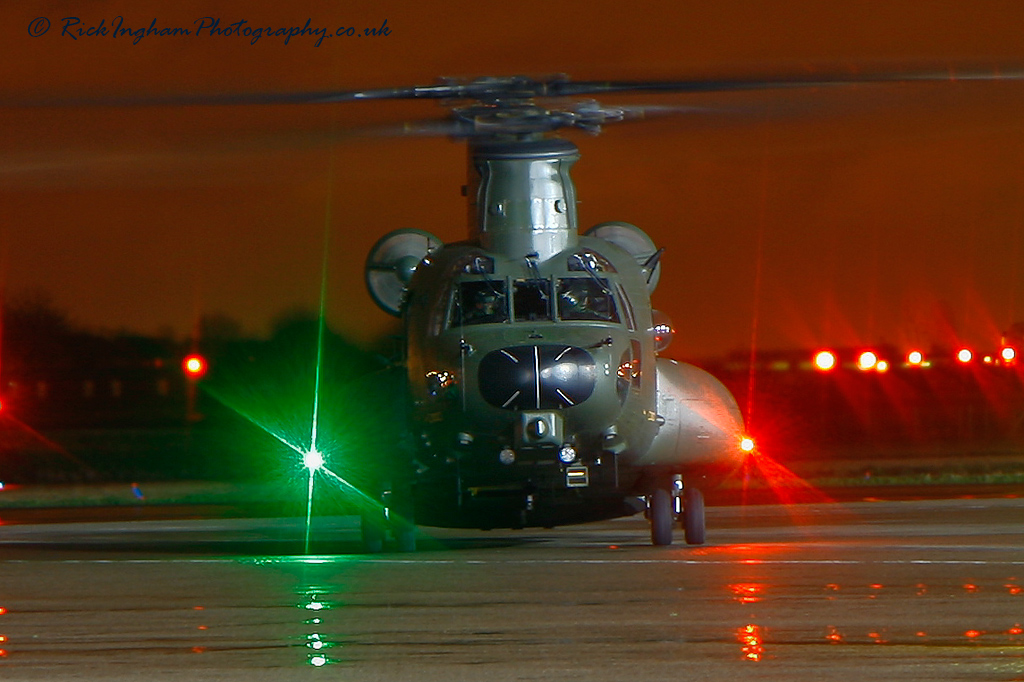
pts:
[537, 396]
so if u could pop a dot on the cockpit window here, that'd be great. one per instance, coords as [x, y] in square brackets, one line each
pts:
[480, 302]
[532, 299]
[586, 298]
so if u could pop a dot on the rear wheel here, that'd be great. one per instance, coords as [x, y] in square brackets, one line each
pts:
[661, 517]
[693, 516]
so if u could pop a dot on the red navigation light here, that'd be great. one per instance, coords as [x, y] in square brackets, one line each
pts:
[194, 365]
[964, 355]
[867, 360]
[825, 360]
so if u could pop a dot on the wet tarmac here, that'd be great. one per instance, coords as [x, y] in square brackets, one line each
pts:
[909, 590]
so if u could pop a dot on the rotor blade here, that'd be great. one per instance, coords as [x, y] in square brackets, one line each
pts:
[481, 89]
[578, 88]
[522, 87]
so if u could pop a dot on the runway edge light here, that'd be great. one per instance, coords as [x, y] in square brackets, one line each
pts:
[194, 365]
[824, 360]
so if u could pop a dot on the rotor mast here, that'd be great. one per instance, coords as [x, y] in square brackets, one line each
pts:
[522, 200]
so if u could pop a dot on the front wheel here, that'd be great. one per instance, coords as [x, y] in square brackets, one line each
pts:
[693, 516]
[661, 517]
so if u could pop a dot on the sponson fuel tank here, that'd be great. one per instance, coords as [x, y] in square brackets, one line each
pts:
[702, 422]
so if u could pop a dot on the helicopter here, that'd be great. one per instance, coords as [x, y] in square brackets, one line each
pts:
[538, 395]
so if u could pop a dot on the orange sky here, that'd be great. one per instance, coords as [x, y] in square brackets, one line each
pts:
[892, 215]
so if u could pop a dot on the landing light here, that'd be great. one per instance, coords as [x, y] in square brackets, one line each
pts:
[567, 454]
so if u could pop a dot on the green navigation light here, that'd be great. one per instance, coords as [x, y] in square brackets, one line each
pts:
[313, 460]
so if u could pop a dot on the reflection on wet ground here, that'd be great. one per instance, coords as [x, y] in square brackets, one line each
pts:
[922, 590]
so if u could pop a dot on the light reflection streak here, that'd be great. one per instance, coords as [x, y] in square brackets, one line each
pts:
[309, 508]
[747, 593]
[782, 481]
[751, 642]
[315, 644]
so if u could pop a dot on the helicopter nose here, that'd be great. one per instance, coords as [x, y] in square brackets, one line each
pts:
[540, 377]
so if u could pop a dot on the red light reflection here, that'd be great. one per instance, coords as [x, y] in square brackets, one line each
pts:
[834, 635]
[751, 641]
[789, 487]
[1015, 630]
[747, 593]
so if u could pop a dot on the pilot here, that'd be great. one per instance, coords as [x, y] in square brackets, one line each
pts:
[487, 307]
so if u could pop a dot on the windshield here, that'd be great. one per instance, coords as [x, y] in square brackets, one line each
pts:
[480, 302]
[579, 298]
[586, 298]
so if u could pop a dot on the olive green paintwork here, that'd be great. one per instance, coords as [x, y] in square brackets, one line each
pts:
[524, 237]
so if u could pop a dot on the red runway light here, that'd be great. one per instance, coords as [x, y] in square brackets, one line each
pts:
[915, 358]
[747, 444]
[1008, 354]
[825, 360]
[867, 360]
[194, 365]
[964, 355]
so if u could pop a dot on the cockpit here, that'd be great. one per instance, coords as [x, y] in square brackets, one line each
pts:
[586, 296]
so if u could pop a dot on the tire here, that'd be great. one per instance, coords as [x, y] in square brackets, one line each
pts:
[661, 517]
[693, 516]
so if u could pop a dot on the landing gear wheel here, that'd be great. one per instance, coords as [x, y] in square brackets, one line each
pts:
[372, 526]
[661, 517]
[693, 516]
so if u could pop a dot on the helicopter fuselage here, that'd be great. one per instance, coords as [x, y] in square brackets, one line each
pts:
[537, 397]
